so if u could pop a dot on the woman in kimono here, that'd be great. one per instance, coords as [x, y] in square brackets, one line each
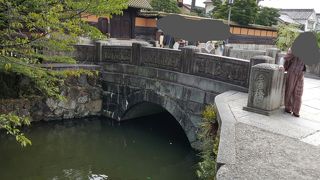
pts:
[295, 68]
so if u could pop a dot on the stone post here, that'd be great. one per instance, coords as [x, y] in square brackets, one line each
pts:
[279, 56]
[265, 89]
[187, 56]
[136, 54]
[272, 52]
[98, 45]
[226, 51]
[258, 60]
[261, 59]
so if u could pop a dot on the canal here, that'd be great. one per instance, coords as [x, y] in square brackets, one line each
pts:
[152, 147]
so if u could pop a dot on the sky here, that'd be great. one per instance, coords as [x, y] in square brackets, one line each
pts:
[285, 4]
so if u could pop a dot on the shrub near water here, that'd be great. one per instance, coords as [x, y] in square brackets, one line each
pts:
[210, 142]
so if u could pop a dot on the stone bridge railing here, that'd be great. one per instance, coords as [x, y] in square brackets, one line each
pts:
[180, 81]
[187, 60]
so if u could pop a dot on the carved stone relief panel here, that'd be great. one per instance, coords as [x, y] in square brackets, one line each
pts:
[117, 54]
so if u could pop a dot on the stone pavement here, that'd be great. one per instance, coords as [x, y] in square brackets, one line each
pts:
[279, 146]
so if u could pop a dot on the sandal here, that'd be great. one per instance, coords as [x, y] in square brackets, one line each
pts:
[296, 115]
[287, 111]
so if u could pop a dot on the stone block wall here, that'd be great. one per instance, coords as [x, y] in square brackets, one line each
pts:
[83, 98]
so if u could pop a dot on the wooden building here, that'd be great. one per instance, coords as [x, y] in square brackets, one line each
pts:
[252, 34]
[121, 26]
[240, 34]
[136, 23]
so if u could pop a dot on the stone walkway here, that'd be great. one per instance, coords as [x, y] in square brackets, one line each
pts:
[279, 146]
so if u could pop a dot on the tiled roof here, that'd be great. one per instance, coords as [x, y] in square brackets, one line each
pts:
[140, 4]
[287, 19]
[298, 14]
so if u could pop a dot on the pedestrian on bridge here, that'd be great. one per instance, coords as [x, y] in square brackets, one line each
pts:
[295, 68]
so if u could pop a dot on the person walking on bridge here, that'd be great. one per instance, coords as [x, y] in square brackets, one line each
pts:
[295, 68]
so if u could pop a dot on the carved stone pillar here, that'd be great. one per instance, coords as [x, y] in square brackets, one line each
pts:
[272, 52]
[265, 89]
[227, 49]
[135, 54]
[98, 45]
[187, 56]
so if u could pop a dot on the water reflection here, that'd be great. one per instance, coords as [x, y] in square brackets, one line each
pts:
[97, 148]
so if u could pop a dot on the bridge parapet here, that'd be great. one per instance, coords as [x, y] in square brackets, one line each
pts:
[187, 60]
[180, 81]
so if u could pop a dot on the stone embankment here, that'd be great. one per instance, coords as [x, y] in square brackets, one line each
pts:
[83, 98]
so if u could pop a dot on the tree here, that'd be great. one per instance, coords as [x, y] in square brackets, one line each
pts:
[220, 10]
[29, 26]
[243, 11]
[267, 16]
[199, 12]
[169, 6]
[286, 36]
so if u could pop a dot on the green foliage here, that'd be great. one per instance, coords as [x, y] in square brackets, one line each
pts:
[49, 23]
[29, 27]
[169, 6]
[220, 10]
[11, 122]
[199, 12]
[286, 36]
[243, 12]
[55, 59]
[210, 144]
[267, 16]
[318, 39]
[46, 25]
[47, 82]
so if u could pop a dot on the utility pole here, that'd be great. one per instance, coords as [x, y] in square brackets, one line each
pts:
[230, 2]
[193, 5]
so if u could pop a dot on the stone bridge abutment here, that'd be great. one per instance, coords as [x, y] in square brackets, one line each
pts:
[180, 81]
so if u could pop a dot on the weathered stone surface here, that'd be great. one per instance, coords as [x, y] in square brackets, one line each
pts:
[209, 98]
[182, 95]
[69, 104]
[227, 121]
[52, 104]
[94, 107]
[196, 95]
[68, 114]
[272, 52]
[81, 100]
[245, 54]
[266, 88]
[261, 59]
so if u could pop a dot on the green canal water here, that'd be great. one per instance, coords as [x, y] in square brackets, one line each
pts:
[154, 147]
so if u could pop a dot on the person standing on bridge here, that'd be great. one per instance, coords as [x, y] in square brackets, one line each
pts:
[295, 68]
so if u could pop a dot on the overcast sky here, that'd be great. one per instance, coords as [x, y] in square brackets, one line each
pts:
[286, 4]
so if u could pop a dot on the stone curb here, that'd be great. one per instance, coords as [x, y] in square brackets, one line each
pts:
[226, 120]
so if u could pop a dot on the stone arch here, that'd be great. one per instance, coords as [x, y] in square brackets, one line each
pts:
[169, 104]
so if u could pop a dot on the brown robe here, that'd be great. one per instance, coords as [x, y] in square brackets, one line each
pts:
[294, 83]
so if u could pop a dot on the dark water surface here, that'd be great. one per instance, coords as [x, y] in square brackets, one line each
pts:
[153, 147]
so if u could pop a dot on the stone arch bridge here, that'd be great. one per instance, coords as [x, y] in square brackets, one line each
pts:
[182, 81]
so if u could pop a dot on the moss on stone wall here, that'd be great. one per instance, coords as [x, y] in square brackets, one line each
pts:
[210, 143]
